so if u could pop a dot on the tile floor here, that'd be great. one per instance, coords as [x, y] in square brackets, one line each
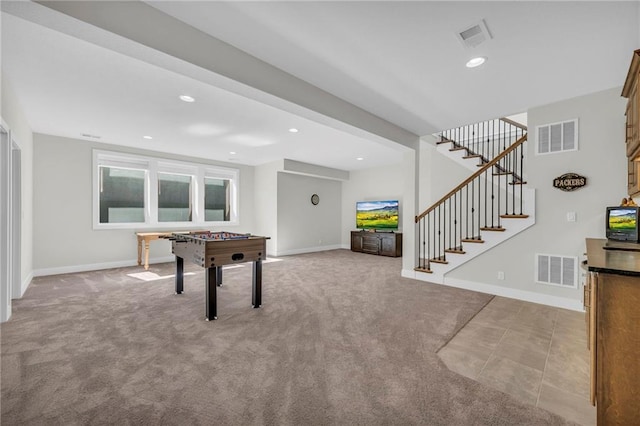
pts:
[535, 353]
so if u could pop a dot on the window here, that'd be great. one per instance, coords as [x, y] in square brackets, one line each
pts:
[174, 198]
[121, 195]
[557, 137]
[136, 192]
[216, 199]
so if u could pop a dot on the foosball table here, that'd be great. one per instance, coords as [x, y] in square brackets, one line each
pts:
[212, 250]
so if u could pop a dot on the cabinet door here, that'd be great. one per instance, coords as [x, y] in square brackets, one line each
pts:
[371, 244]
[592, 283]
[388, 245]
[633, 183]
[631, 113]
[356, 241]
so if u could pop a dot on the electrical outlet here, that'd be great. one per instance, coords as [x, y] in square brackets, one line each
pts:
[571, 216]
[500, 275]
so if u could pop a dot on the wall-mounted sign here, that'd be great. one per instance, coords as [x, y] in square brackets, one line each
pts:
[569, 182]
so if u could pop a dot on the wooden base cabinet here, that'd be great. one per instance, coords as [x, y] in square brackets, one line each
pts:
[380, 243]
[617, 349]
[612, 299]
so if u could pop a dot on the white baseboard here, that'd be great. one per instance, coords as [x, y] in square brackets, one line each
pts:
[96, 266]
[25, 284]
[527, 296]
[308, 250]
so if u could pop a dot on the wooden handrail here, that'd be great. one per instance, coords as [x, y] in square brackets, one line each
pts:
[473, 176]
[514, 123]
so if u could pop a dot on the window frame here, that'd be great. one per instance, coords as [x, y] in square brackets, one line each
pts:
[152, 167]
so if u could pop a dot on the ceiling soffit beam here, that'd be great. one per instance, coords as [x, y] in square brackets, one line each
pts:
[141, 23]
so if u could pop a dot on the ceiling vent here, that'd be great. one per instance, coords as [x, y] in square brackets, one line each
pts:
[474, 35]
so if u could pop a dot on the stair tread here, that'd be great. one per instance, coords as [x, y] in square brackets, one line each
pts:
[455, 251]
[426, 270]
[438, 260]
[472, 240]
[514, 216]
[472, 156]
[457, 148]
[493, 228]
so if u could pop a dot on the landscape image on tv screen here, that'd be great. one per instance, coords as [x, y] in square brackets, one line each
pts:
[377, 214]
[622, 219]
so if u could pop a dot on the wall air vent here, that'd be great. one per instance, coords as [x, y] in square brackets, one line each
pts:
[474, 35]
[557, 137]
[557, 270]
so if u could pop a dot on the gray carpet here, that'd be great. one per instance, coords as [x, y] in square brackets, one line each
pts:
[341, 339]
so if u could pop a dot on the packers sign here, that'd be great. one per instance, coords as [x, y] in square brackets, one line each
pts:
[569, 182]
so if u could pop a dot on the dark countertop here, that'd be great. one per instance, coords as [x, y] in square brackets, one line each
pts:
[613, 257]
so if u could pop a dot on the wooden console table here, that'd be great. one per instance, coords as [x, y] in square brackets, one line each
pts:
[380, 243]
[144, 238]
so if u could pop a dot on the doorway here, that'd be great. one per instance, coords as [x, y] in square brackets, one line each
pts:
[5, 247]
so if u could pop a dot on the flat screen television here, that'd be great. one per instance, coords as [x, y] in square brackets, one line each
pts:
[622, 223]
[377, 214]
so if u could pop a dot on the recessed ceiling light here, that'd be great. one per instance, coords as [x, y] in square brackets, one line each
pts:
[187, 98]
[293, 130]
[360, 158]
[147, 137]
[232, 152]
[476, 62]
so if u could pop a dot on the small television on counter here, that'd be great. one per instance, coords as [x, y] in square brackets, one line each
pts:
[381, 215]
[622, 223]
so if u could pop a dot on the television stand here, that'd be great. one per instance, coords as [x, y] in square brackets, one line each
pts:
[379, 243]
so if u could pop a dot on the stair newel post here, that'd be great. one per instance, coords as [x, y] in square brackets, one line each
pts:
[492, 198]
[437, 248]
[449, 211]
[486, 190]
[455, 219]
[427, 262]
[521, 176]
[513, 189]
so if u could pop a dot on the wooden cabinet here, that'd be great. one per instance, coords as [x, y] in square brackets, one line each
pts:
[614, 331]
[632, 132]
[380, 243]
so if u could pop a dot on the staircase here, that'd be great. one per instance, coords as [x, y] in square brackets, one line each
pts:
[489, 207]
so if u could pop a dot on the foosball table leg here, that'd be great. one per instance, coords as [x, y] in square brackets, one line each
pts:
[219, 276]
[256, 296]
[211, 282]
[179, 275]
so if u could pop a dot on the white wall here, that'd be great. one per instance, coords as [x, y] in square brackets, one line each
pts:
[393, 182]
[303, 227]
[64, 238]
[378, 183]
[21, 133]
[601, 158]
[266, 203]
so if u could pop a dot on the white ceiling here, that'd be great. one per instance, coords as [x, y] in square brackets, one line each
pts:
[398, 60]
